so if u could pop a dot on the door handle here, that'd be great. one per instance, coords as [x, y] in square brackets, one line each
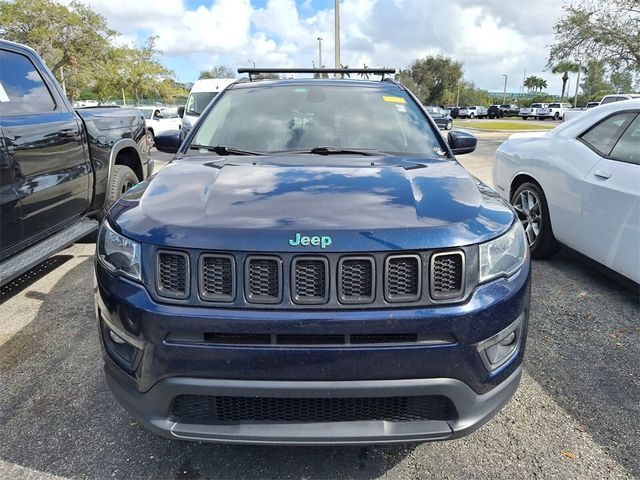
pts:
[68, 133]
[604, 174]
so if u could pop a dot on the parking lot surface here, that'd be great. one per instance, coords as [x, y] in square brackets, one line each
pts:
[576, 414]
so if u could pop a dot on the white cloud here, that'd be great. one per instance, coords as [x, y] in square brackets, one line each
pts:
[491, 37]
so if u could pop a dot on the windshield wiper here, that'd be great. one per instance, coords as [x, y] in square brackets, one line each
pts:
[223, 150]
[342, 151]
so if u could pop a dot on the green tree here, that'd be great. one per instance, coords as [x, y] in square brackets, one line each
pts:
[71, 39]
[594, 83]
[140, 73]
[217, 71]
[565, 68]
[531, 83]
[607, 30]
[622, 81]
[433, 79]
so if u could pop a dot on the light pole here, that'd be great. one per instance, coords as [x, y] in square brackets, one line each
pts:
[504, 92]
[337, 33]
[320, 52]
[458, 96]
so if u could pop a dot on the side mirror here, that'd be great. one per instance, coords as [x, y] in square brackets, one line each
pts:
[168, 142]
[461, 142]
[181, 112]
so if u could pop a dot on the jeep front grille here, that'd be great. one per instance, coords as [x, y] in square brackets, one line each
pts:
[172, 274]
[315, 281]
[447, 275]
[263, 279]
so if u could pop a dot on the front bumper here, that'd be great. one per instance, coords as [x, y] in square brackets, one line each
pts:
[162, 370]
[153, 409]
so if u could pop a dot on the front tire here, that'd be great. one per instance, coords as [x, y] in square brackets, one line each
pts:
[533, 212]
[151, 139]
[122, 180]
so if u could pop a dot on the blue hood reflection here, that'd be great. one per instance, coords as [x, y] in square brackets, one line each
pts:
[258, 203]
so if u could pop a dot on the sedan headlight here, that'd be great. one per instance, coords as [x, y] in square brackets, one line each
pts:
[118, 253]
[504, 255]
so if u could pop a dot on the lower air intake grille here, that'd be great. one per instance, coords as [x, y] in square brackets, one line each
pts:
[173, 274]
[217, 278]
[310, 280]
[447, 275]
[263, 280]
[402, 278]
[356, 280]
[205, 408]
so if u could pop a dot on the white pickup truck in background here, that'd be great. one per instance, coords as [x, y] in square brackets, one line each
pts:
[532, 111]
[554, 111]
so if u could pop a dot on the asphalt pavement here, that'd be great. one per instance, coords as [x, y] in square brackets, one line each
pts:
[576, 414]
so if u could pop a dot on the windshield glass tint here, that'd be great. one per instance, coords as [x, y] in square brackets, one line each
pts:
[296, 117]
[198, 101]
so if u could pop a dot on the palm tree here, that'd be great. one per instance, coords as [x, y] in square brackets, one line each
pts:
[342, 75]
[364, 75]
[531, 82]
[565, 67]
[542, 84]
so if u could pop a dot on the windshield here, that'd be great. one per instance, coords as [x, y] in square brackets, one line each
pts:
[280, 118]
[198, 101]
[147, 112]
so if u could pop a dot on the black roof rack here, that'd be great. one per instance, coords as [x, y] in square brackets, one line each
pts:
[371, 71]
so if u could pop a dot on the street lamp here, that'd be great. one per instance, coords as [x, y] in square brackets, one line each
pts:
[504, 92]
[320, 52]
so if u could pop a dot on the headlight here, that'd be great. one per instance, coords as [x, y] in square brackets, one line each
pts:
[504, 255]
[119, 254]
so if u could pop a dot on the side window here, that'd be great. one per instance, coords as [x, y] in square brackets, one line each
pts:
[628, 147]
[22, 90]
[604, 135]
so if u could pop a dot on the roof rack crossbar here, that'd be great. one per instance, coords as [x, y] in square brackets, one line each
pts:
[371, 71]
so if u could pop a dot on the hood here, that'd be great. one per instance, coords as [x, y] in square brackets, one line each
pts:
[259, 203]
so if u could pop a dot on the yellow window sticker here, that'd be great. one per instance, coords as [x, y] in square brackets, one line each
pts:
[387, 98]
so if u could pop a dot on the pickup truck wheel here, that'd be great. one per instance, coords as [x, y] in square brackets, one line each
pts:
[122, 180]
[556, 116]
[531, 206]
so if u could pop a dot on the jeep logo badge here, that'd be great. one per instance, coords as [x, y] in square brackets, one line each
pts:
[305, 241]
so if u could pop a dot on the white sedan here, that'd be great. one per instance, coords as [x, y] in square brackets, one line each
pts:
[579, 186]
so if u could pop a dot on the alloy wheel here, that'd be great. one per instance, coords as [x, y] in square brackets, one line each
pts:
[527, 206]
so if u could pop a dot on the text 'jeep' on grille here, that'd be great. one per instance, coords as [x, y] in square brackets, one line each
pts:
[313, 267]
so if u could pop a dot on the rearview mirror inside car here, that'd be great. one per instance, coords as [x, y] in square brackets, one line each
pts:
[168, 142]
[461, 142]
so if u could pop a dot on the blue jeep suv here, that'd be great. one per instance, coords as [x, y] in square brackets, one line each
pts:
[313, 267]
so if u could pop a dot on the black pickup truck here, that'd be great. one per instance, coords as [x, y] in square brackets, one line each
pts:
[60, 168]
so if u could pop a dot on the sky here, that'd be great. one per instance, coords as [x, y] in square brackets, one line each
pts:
[490, 37]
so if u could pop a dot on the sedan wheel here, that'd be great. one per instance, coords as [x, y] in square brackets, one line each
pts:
[531, 207]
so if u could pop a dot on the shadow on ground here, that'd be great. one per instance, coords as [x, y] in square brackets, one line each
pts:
[584, 350]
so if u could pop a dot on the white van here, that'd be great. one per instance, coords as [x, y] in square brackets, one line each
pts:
[202, 92]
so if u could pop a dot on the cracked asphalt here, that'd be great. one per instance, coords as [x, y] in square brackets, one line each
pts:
[576, 414]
